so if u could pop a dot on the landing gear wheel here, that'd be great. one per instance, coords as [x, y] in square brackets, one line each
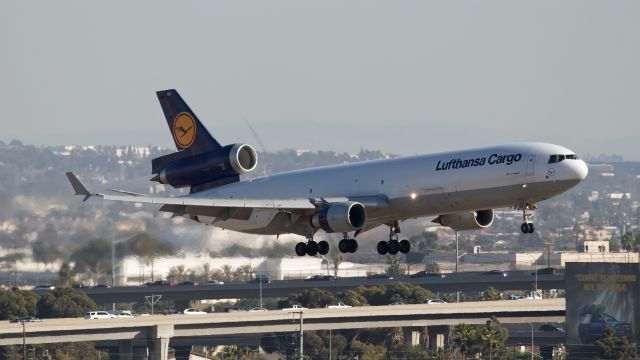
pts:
[382, 248]
[312, 248]
[301, 249]
[405, 246]
[323, 247]
[527, 228]
[393, 247]
[343, 246]
[353, 245]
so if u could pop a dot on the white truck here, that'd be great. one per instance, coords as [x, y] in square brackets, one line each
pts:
[340, 305]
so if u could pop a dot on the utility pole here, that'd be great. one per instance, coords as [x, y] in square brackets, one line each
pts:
[24, 341]
[457, 250]
[329, 344]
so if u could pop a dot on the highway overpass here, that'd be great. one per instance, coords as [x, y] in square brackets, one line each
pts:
[464, 282]
[159, 331]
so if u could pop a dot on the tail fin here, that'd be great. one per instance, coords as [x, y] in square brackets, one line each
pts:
[188, 132]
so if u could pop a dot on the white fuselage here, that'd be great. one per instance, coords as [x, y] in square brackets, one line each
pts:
[415, 186]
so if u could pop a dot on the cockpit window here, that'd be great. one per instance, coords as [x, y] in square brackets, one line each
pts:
[557, 158]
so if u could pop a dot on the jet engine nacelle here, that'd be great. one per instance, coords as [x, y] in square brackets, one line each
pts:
[227, 162]
[340, 217]
[471, 220]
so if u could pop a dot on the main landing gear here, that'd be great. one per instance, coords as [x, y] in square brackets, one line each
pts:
[312, 248]
[393, 246]
[527, 226]
[347, 245]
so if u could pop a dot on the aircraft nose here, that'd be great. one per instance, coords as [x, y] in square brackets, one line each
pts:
[580, 169]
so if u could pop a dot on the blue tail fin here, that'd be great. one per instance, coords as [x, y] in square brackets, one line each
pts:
[190, 136]
[188, 132]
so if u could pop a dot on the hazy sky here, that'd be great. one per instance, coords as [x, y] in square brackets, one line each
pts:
[399, 76]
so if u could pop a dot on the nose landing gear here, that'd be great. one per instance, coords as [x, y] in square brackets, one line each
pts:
[527, 226]
[393, 246]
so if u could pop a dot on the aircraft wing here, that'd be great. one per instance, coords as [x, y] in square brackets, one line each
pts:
[183, 201]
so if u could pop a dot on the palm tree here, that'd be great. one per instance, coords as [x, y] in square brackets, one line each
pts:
[463, 336]
[490, 333]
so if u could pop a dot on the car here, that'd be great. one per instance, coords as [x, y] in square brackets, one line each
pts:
[425, 274]
[435, 302]
[92, 315]
[101, 286]
[79, 286]
[214, 282]
[258, 309]
[121, 313]
[160, 283]
[45, 287]
[295, 307]
[397, 303]
[516, 297]
[193, 311]
[548, 271]
[380, 276]
[340, 305]
[495, 273]
[186, 283]
[320, 277]
[24, 319]
[593, 325]
[260, 279]
[551, 327]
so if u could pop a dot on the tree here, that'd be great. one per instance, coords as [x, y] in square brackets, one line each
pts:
[312, 298]
[64, 302]
[179, 273]
[395, 266]
[95, 257]
[425, 241]
[66, 274]
[614, 347]
[491, 294]
[463, 337]
[15, 304]
[147, 247]
[366, 351]
[493, 335]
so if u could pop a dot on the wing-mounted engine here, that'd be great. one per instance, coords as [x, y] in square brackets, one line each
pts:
[340, 217]
[206, 170]
[471, 220]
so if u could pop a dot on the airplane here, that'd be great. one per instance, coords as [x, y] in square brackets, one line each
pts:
[461, 188]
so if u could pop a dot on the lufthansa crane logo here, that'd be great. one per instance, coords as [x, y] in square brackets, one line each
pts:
[184, 130]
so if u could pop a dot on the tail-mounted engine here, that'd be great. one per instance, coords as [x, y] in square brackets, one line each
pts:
[340, 217]
[205, 170]
[471, 220]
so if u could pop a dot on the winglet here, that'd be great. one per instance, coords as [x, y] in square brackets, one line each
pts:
[78, 187]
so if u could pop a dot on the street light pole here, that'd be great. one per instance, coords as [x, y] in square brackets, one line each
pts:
[531, 341]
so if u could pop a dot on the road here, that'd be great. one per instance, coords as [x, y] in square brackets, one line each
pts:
[464, 282]
[79, 329]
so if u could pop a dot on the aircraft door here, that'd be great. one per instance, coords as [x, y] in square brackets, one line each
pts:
[531, 161]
